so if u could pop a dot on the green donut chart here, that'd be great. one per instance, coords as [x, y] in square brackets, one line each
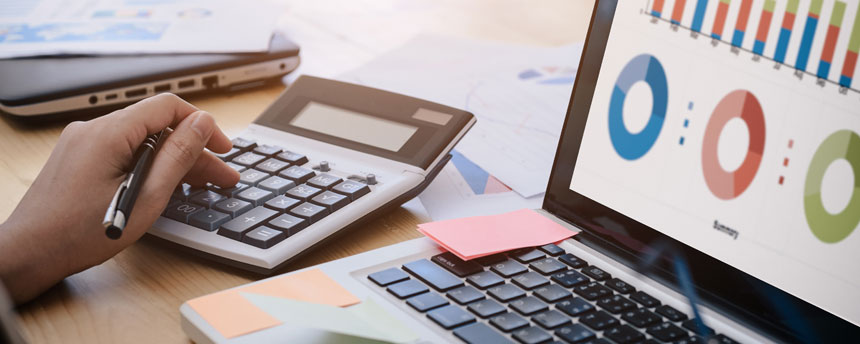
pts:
[827, 227]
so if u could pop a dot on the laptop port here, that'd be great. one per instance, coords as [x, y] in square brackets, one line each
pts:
[161, 88]
[111, 96]
[210, 81]
[135, 93]
[94, 100]
[186, 83]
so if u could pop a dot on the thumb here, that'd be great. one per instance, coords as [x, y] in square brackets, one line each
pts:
[179, 152]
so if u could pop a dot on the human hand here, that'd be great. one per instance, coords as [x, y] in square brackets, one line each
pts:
[56, 230]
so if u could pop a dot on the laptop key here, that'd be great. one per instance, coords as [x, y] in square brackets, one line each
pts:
[552, 249]
[407, 289]
[723, 339]
[486, 308]
[575, 333]
[234, 228]
[297, 174]
[182, 211]
[508, 322]
[691, 340]
[233, 206]
[450, 316]
[310, 212]
[352, 189]
[570, 278]
[531, 335]
[599, 320]
[528, 255]
[506, 292]
[691, 325]
[508, 268]
[596, 273]
[255, 196]
[620, 286]
[208, 220]
[465, 294]
[575, 306]
[671, 313]
[207, 198]
[276, 184]
[530, 280]
[457, 266]
[528, 305]
[388, 276]
[552, 293]
[272, 166]
[574, 261]
[485, 279]
[548, 266]
[551, 319]
[263, 237]
[492, 259]
[592, 291]
[432, 274]
[667, 332]
[281, 203]
[641, 317]
[616, 304]
[427, 301]
[644, 299]
[480, 333]
[624, 334]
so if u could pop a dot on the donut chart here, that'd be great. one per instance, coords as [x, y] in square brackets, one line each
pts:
[724, 184]
[827, 227]
[645, 68]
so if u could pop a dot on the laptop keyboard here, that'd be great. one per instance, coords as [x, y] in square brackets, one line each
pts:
[536, 295]
[276, 196]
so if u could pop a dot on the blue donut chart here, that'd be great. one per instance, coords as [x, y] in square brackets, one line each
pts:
[645, 68]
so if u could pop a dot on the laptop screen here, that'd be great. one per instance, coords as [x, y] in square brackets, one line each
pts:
[734, 128]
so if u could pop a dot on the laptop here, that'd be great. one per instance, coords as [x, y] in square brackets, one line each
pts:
[677, 240]
[45, 88]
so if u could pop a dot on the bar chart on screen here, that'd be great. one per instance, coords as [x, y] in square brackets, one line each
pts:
[819, 39]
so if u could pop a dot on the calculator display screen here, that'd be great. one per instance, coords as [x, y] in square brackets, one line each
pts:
[354, 126]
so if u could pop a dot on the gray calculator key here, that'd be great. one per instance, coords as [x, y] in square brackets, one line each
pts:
[234, 228]
[276, 184]
[351, 188]
[244, 144]
[263, 237]
[282, 203]
[289, 224]
[255, 196]
[272, 166]
[303, 192]
[228, 192]
[206, 198]
[252, 176]
[248, 159]
[237, 167]
[180, 212]
[208, 219]
[233, 206]
[331, 200]
[297, 174]
[310, 212]
[293, 158]
[268, 150]
[229, 155]
[324, 181]
[184, 191]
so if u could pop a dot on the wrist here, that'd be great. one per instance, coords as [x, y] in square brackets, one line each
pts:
[26, 267]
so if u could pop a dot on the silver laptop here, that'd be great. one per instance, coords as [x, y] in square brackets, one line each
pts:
[713, 190]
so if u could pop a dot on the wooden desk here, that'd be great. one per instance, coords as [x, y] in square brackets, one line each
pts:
[135, 296]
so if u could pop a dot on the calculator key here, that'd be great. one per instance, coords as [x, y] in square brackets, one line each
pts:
[244, 144]
[288, 224]
[485, 279]
[592, 291]
[330, 200]
[480, 333]
[530, 280]
[532, 335]
[255, 196]
[506, 292]
[293, 158]
[235, 166]
[528, 256]
[182, 211]
[465, 294]
[407, 289]
[388, 276]
[596, 273]
[667, 332]
[310, 212]
[324, 181]
[233, 152]
[297, 174]
[552, 293]
[427, 301]
[574, 261]
[616, 304]
[575, 306]
[432, 274]
[282, 203]
[184, 191]
[569, 278]
[267, 150]
[691, 325]
[303, 192]
[234, 228]
[248, 159]
[276, 184]
[208, 219]
[508, 268]
[576, 333]
[508, 322]
[671, 313]
[263, 237]
[551, 319]
[548, 266]
[644, 299]
[599, 320]
[352, 188]
[640, 317]
[528, 305]
[272, 166]
[457, 266]
[624, 334]
[486, 308]
[252, 176]
[450, 316]
[620, 286]
[228, 192]
[552, 249]
[233, 206]
[207, 198]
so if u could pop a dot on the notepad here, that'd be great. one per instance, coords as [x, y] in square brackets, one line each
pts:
[479, 236]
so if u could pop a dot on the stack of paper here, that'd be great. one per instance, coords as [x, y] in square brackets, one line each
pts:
[479, 236]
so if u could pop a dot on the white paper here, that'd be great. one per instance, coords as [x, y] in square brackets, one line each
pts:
[53, 27]
[518, 93]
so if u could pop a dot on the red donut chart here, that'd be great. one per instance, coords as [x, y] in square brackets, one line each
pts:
[730, 184]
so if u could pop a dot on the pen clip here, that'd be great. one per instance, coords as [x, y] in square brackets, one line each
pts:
[111, 211]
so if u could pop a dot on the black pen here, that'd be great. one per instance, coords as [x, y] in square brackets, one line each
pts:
[123, 200]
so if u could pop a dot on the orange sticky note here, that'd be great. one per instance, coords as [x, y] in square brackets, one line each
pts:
[312, 286]
[475, 237]
[231, 314]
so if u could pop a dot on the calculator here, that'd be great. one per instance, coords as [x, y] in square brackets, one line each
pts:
[324, 157]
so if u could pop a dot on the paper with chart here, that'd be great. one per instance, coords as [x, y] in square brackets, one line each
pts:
[518, 93]
[53, 27]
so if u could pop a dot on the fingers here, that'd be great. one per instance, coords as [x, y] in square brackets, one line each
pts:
[209, 168]
[179, 152]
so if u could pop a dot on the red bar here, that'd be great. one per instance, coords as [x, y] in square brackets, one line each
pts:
[720, 20]
[678, 12]
[743, 16]
[850, 64]
[658, 6]
[788, 21]
[830, 44]
[764, 25]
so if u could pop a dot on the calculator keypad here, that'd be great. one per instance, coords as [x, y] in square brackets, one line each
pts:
[276, 197]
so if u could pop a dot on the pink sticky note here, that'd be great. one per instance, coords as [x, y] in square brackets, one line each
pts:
[479, 236]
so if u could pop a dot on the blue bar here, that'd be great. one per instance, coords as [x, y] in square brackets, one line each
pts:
[782, 45]
[673, 21]
[699, 17]
[823, 69]
[845, 81]
[758, 48]
[738, 38]
[655, 13]
[806, 43]
[716, 36]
